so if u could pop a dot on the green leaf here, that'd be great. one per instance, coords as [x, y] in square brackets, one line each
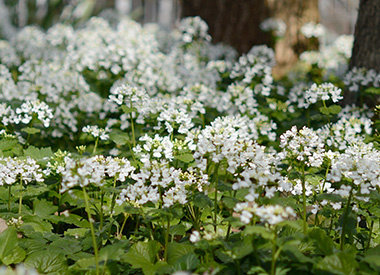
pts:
[34, 244]
[323, 243]
[9, 147]
[30, 130]
[37, 223]
[201, 200]
[372, 90]
[178, 250]
[66, 246]
[76, 232]
[8, 241]
[128, 110]
[341, 263]
[143, 255]
[324, 110]
[119, 137]
[71, 219]
[113, 252]
[186, 158]
[187, 262]
[335, 109]
[230, 202]
[43, 208]
[259, 230]
[6, 144]
[45, 261]
[178, 229]
[10, 252]
[295, 254]
[372, 257]
[17, 255]
[243, 248]
[38, 153]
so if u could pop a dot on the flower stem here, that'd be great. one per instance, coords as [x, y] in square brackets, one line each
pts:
[9, 198]
[95, 146]
[20, 199]
[370, 235]
[101, 209]
[132, 125]
[216, 196]
[304, 200]
[229, 223]
[113, 201]
[167, 238]
[123, 225]
[274, 248]
[90, 220]
[344, 219]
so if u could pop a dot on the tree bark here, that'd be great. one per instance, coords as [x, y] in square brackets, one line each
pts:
[295, 14]
[366, 50]
[237, 23]
[234, 22]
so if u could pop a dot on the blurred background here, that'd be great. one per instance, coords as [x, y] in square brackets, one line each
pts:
[238, 23]
[339, 16]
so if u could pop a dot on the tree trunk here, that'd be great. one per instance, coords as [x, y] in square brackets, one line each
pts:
[237, 23]
[234, 22]
[366, 50]
[295, 14]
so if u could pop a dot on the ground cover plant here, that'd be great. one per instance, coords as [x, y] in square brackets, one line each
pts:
[129, 150]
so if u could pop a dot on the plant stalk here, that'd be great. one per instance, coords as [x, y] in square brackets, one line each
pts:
[90, 220]
[132, 126]
[345, 214]
[167, 239]
[216, 197]
[304, 200]
[370, 235]
[274, 251]
[9, 198]
[95, 146]
[20, 199]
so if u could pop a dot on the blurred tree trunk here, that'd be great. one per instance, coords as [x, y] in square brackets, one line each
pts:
[366, 50]
[295, 14]
[236, 22]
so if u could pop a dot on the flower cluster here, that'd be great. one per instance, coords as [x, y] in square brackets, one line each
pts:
[13, 170]
[93, 171]
[302, 145]
[324, 91]
[359, 163]
[271, 214]
[193, 29]
[312, 29]
[96, 132]
[275, 25]
[357, 78]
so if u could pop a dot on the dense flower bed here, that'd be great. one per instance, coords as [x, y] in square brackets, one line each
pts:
[125, 149]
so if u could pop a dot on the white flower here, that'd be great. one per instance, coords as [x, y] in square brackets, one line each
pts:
[336, 205]
[278, 26]
[312, 29]
[304, 146]
[96, 132]
[324, 91]
[193, 29]
[195, 237]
